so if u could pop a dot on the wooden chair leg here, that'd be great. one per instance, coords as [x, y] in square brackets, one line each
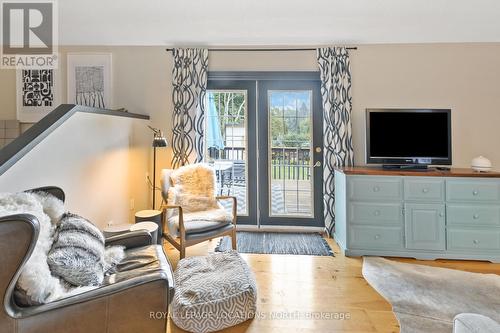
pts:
[233, 239]
[182, 251]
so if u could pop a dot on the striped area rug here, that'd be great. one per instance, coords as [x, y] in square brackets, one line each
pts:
[278, 243]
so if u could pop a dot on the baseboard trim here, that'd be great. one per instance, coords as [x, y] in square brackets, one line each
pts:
[279, 228]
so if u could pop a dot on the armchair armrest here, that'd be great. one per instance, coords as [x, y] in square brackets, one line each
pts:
[235, 204]
[182, 231]
[130, 239]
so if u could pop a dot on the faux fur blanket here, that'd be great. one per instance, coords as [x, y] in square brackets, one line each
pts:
[194, 188]
[36, 280]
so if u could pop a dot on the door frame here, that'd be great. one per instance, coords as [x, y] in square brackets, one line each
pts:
[252, 82]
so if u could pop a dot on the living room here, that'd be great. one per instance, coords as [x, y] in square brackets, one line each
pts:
[270, 110]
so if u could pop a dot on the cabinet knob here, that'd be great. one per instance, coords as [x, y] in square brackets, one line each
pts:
[441, 214]
[475, 241]
[377, 237]
[475, 216]
[475, 192]
[425, 190]
[376, 213]
[376, 189]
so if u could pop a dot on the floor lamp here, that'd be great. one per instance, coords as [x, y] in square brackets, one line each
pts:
[159, 141]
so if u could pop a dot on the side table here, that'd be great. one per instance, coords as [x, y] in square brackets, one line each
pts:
[151, 215]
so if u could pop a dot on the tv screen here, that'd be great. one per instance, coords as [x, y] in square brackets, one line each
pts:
[401, 136]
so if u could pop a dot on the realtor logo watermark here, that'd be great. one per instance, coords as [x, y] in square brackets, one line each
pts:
[29, 34]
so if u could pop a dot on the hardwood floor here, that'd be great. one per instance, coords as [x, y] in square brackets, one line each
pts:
[317, 294]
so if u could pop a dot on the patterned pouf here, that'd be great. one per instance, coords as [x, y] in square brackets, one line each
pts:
[213, 292]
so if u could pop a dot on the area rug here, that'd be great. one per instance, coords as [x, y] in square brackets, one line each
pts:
[426, 299]
[278, 243]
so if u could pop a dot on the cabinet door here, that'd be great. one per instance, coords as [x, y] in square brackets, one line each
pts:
[425, 226]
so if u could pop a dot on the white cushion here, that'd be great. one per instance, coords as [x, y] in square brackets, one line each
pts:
[203, 221]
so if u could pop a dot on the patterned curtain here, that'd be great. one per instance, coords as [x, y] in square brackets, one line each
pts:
[189, 79]
[335, 70]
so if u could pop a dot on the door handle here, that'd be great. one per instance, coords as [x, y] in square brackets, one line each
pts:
[317, 164]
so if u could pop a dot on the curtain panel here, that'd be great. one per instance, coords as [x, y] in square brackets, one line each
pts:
[189, 80]
[335, 71]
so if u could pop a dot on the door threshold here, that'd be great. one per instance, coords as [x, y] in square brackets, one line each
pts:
[279, 228]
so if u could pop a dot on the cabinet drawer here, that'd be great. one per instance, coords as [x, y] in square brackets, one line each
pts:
[473, 190]
[464, 239]
[369, 237]
[376, 213]
[472, 215]
[424, 189]
[375, 188]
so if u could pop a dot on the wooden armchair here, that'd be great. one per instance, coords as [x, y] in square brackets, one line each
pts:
[192, 212]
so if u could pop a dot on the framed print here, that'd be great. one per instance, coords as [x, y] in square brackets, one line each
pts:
[37, 93]
[90, 79]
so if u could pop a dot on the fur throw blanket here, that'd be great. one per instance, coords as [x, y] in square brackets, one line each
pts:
[193, 187]
[36, 280]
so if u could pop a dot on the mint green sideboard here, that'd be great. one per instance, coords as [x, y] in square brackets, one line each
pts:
[423, 215]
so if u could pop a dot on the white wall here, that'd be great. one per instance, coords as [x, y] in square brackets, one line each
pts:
[90, 156]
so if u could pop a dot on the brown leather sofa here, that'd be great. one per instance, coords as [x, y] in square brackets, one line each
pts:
[134, 298]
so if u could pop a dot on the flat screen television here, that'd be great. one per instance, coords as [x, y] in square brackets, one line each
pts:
[412, 137]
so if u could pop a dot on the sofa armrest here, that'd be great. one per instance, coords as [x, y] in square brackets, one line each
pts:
[161, 276]
[130, 239]
[54, 190]
[23, 312]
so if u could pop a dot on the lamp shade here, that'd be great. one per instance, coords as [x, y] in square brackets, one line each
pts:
[159, 141]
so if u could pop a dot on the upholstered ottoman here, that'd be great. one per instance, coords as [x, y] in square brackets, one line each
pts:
[474, 323]
[213, 292]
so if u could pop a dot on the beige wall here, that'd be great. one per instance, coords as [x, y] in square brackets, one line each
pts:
[464, 77]
[89, 156]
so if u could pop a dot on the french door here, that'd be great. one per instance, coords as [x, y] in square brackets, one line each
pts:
[264, 137]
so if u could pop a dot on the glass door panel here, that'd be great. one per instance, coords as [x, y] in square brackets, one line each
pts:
[290, 151]
[226, 143]
[290, 154]
[230, 143]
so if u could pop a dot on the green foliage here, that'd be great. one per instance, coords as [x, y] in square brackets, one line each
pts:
[230, 108]
[290, 131]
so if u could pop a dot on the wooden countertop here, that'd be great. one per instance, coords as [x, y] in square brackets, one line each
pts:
[431, 172]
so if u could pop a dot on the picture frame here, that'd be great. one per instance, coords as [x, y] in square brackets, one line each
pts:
[89, 79]
[37, 93]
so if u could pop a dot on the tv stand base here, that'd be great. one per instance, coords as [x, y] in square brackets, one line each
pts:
[405, 167]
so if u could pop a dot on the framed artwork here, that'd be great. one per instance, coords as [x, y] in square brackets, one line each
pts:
[37, 93]
[90, 80]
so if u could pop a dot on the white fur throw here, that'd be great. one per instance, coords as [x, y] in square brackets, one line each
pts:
[193, 187]
[36, 280]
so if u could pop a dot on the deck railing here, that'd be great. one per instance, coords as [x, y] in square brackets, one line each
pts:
[286, 163]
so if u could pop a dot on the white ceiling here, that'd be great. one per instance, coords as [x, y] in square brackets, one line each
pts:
[276, 22]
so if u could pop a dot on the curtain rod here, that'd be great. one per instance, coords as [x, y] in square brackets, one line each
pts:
[264, 50]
